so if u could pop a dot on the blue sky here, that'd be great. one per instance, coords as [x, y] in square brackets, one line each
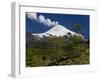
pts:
[47, 20]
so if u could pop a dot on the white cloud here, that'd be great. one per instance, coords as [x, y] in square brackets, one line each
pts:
[42, 19]
[56, 22]
[32, 15]
[49, 23]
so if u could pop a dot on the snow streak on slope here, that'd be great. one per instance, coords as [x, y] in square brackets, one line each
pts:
[57, 30]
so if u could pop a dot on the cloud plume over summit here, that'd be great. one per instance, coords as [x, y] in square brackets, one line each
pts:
[41, 19]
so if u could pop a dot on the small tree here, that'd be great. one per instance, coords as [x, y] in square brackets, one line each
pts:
[78, 28]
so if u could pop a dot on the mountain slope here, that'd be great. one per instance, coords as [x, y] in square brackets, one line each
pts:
[57, 30]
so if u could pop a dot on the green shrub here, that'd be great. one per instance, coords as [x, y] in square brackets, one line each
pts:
[50, 51]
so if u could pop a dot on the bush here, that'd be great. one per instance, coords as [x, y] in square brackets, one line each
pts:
[50, 51]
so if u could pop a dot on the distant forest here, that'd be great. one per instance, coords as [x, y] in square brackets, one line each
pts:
[53, 51]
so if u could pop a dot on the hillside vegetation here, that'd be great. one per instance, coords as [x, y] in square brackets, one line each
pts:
[52, 51]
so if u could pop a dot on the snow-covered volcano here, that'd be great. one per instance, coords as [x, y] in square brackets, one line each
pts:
[57, 30]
